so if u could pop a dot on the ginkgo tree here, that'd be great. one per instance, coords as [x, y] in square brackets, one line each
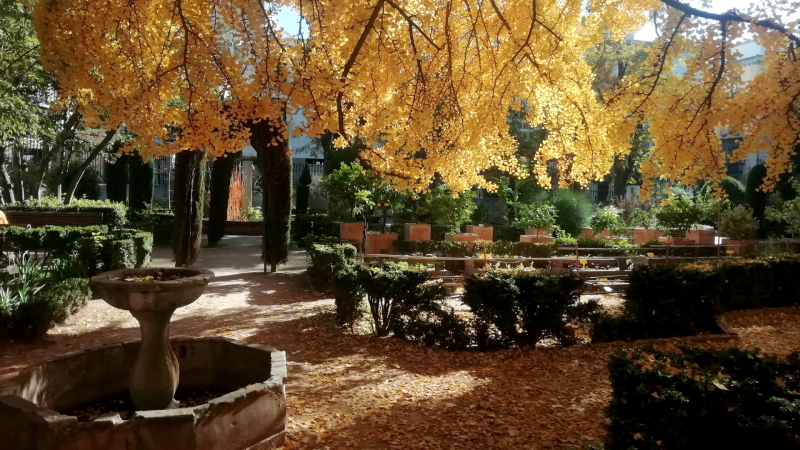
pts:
[425, 84]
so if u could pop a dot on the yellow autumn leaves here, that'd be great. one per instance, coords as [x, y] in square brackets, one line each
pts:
[426, 84]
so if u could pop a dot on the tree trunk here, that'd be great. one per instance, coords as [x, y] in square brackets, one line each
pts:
[189, 190]
[68, 130]
[73, 183]
[141, 174]
[272, 145]
[5, 179]
[220, 193]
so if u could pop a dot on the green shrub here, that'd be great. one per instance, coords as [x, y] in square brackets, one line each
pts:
[316, 224]
[397, 293]
[158, 221]
[52, 305]
[114, 214]
[787, 211]
[573, 210]
[348, 295]
[475, 249]
[327, 259]
[738, 223]
[696, 399]
[448, 211]
[527, 306]
[606, 219]
[677, 216]
[642, 218]
[666, 300]
[536, 215]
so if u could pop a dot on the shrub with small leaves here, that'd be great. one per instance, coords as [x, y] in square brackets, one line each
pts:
[738, 223]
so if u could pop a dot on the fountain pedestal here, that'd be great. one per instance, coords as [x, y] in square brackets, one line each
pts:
[155, 374]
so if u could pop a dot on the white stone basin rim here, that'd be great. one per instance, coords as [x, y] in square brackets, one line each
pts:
[151, 296]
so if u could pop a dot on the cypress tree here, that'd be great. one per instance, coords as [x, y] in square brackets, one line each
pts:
[189, 192]
[304, 190]
[220, 193]
[141, 176]
[117, 177]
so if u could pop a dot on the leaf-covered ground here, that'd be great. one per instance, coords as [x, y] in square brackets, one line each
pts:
[356, 391]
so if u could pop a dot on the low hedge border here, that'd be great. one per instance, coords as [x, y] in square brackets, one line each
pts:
[328, 256]
[114, 214]
[668, 301]
[699, 399]
[51, 305]
[90, 249]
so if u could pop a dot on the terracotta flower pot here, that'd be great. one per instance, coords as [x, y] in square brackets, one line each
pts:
[484, 233]
[378, 243]
[642, 235]
[417, 232]
[539, 232]
[705, 237]
[588, 233]
[352, 230]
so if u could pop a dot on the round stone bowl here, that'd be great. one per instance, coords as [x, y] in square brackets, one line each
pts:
[151, 296]
[250, 416]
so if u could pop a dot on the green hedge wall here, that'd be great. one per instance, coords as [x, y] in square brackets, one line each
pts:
[666, 301]
[694, 399]
[460, 249]
[328, 256]
[158, 221]
[114, 214]
[89, 250]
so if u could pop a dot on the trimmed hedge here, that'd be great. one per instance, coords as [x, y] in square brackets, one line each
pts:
[89, 250]
[114, 214]
[158, 221]
[51, 305]
[328, 256]
[527, 306]
[667, 300]
[477, 248]
[703, 399]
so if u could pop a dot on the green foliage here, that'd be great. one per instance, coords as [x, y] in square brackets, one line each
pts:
[735, 190]
[328, 256]
[142, 179]
[348, 296]
[475, 249]
[738, 223]
[756, 199]
[253, 214]
[303, 190]
[536, 215]
[448, 210]
[220, 190]
[36, 297]
[607, 218]
[642, 218]
[677, 215]
[573, 210]
[787, 211]
[114, 214]
[397, 294]
[703, 399]
[156, 220]
[88, 186]
[349, 190]
[317, 224]
[667, 300]
[527, 306]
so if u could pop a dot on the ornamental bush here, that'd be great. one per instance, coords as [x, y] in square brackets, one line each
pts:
[606, 219]
[527, 305]
[536, 215]
[666, 301]
[156, 220]
[475, 249]
[328, 256]
[677, 215]
[738, 223]
[695, 399]
[450, 211]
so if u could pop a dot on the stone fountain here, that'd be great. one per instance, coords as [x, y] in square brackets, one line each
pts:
[250, 416]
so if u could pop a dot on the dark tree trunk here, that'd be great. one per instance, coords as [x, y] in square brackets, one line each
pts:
[5, 179]
[142, 177]
[189, 191]
[73, 183]
[272, 145]
[220, 193]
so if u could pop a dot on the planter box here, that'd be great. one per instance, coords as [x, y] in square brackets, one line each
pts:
[536, 239]
[744, 245]
[417, 232]
[484, 233]
[352, 230]
[675, 241]
[642, 235]
[538, 232]
[378, 243]
[587, 233]
[705, 237]
[463, 237]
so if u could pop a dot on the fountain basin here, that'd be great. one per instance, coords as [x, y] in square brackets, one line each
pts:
[152, 296]
[251, 416]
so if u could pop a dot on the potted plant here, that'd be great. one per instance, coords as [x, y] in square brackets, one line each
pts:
[349, 190]
[606, 222]
[706, 207]
[740, 228]
[451, 211]
[538, 219]
[787, 212]
[644, 224]
[677, 215]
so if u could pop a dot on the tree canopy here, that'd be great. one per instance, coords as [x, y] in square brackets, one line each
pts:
[427, 84]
